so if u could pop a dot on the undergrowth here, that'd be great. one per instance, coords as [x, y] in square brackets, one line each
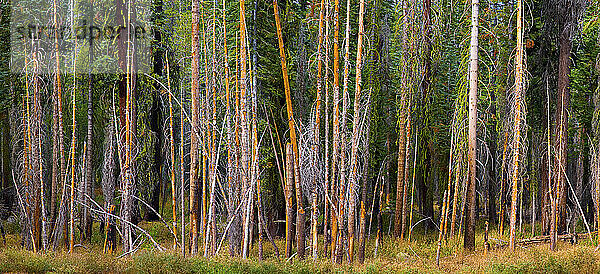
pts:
[393, 256]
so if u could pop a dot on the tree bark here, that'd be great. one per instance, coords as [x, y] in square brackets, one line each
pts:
[194, 157]
[128, 119]
[561, 128]
[293, 139]
[156, 117]
[400, 182]
[364, 183]
[289, 184]
[355, 134]
[335, 163]
[469, 239]
[517, 112]
[316, 133]
[58, 159]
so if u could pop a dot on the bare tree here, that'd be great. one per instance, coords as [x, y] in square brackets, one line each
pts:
[195, 91]
[355, 133]
[469, 240]
[517, 112]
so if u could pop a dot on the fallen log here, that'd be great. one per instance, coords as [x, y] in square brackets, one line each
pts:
[571, 237]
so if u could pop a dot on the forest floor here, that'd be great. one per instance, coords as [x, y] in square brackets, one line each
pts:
[419, 255]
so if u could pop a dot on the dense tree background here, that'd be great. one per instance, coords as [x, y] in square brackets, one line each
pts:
[414, 77]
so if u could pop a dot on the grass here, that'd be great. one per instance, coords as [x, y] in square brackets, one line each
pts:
[395, 256]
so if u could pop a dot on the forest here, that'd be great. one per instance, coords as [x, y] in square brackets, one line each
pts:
[299, 136]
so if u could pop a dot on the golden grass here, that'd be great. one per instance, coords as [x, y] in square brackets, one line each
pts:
[394, 256]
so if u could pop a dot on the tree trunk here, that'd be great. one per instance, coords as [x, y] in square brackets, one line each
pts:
[254, 168]
[72, 200]
[339, 253]
[326, 187]
[491, 182]
[469, 239]
[595, 161]
[364, 183]
[194, 136]
[561, 128]
[400, 182]
[155, 126]
[335, 163]
[424, 192]
[109, 180]
[247, 188]
[89, 170]
[316, 133]
[517, 112]
[58, 161]
[127, 109]
[289, 184]
[355, 134]
[214, 160]
[291, 122]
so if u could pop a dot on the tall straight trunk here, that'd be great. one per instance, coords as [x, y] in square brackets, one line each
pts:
[517, 112]
[254, 166]
[400, 182]
[213, 168]
[210, 106]
[109, 181]
[595, 166]
[72, 200]
[409, 46]
[503, 179]
[86, 222]
[172, 156]
[355, 134]
[335, 163]
[326, 187]
[156, 116]
[239, 189]
[561, 130]
[231, 179]
[182, 170]
[194, 142]
[37, 163]
[88, 181]
[577, 189]
[56, 176]
[491, 183]
[289, 213]
[61, 180]
[364, 182]
[469, 239]
[493, 168]
[58, 159]
[425, 151]
[293, 139]
[245, 128]
[124, 16]
[316, 132]
[27, 233]
[339, 249]
[205, 151]
[300, 217]
[551, 187]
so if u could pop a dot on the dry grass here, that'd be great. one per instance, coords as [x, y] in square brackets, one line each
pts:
[393, 256]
